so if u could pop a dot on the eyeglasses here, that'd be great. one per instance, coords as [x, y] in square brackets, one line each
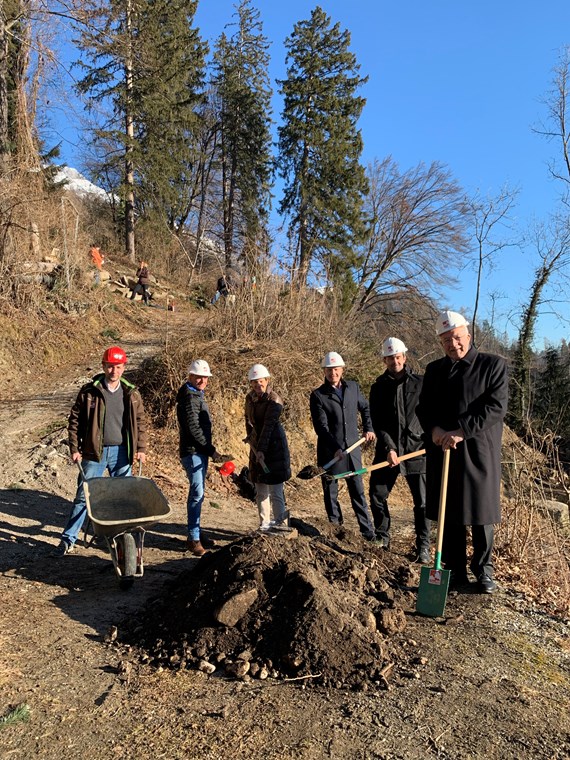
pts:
[454, 339]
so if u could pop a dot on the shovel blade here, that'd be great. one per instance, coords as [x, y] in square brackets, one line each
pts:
[309, 472]
[432, 593]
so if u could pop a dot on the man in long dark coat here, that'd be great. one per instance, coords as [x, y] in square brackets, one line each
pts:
[393, 401]
[335, 408]
[462, 407]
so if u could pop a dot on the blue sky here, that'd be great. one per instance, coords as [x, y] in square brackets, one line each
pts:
[456, 82]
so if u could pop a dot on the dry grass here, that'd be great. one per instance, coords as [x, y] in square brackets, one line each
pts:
[289, 332]
[533, 550]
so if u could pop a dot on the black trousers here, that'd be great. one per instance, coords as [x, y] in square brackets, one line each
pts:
[381, 484]
[454, 549]
[357, 499]
[140, 289]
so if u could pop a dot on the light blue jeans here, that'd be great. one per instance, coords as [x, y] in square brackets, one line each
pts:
[196, 466]
[115, 460]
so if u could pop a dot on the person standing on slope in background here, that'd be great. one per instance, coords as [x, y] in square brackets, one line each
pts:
[195, 427]
[462, 406]
[143, 281]
[335, 408]
[269, 461]
[97, 259]
[107, 431]
[393, 400]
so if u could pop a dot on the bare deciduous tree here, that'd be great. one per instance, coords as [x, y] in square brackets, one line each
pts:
[489, 216]
[416, 229]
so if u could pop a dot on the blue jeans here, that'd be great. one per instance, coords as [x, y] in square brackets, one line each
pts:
[196, 466]
[115, 460]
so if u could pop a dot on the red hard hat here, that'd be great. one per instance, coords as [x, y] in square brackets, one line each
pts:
[115, 355]
[227, 468]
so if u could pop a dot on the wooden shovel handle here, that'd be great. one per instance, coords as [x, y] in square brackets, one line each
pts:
[378, 466]
[403, 458]
[346, 451]
[441, 510]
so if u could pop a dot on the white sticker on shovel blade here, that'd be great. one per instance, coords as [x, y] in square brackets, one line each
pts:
[435, 577]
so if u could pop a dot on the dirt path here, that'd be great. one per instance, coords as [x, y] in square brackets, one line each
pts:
[491, 680]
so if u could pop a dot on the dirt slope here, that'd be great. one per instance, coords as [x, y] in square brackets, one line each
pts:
[490, 680]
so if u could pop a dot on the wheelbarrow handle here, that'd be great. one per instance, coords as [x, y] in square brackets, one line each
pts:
[78, 463]
[378, 466]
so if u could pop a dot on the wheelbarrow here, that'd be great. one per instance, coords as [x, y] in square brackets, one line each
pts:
[121, 510]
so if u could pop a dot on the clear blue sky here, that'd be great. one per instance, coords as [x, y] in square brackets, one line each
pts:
[449, 81]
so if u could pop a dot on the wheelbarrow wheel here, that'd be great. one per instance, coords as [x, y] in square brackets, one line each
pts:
[129, 556]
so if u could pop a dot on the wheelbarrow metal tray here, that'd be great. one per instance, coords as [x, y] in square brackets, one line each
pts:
[116, 505]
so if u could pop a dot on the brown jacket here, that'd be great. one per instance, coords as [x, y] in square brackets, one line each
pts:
[87, 420]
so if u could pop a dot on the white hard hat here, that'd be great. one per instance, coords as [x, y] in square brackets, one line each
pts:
[257, 372]
[200, 368]
[393, 346]
[449, 320]
[332, 359]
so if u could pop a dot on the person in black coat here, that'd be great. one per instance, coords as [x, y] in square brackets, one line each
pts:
[195, 447]
[462, 406]
[393, 401]
[335, 408]
[269, 461]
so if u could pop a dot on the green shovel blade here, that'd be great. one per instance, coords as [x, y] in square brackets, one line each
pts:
[432, 593]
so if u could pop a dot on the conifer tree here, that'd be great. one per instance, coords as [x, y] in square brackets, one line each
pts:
[320, 148]
[244, 93]
[144, 59]
[551, 407]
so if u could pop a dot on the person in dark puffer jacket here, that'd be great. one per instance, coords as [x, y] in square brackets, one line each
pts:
[196, 446]
[269, 461]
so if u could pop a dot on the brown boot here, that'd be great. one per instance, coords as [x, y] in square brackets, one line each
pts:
[195, 547]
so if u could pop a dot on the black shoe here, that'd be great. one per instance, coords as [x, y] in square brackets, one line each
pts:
[63, 548]
[381, 540]
[424, 557]
[486, 585]
[458, 581]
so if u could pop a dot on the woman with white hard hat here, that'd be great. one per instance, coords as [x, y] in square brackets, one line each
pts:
[269, 461]
[335, 409]
[195, 427]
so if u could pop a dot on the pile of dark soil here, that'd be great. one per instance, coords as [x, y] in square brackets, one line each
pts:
[325, 608]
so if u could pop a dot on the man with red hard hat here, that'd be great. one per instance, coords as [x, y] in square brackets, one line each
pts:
[107, 431]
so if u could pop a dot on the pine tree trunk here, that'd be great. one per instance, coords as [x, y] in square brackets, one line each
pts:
[129, 171]
[3, 90]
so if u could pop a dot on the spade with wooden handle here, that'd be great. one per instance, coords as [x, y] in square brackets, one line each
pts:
[310, 471]
[434, 581]
[378, 466]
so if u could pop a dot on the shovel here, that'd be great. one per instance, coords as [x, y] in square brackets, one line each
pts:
[311, 471]
[263, 466]
[378, 466]
[434, 581]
